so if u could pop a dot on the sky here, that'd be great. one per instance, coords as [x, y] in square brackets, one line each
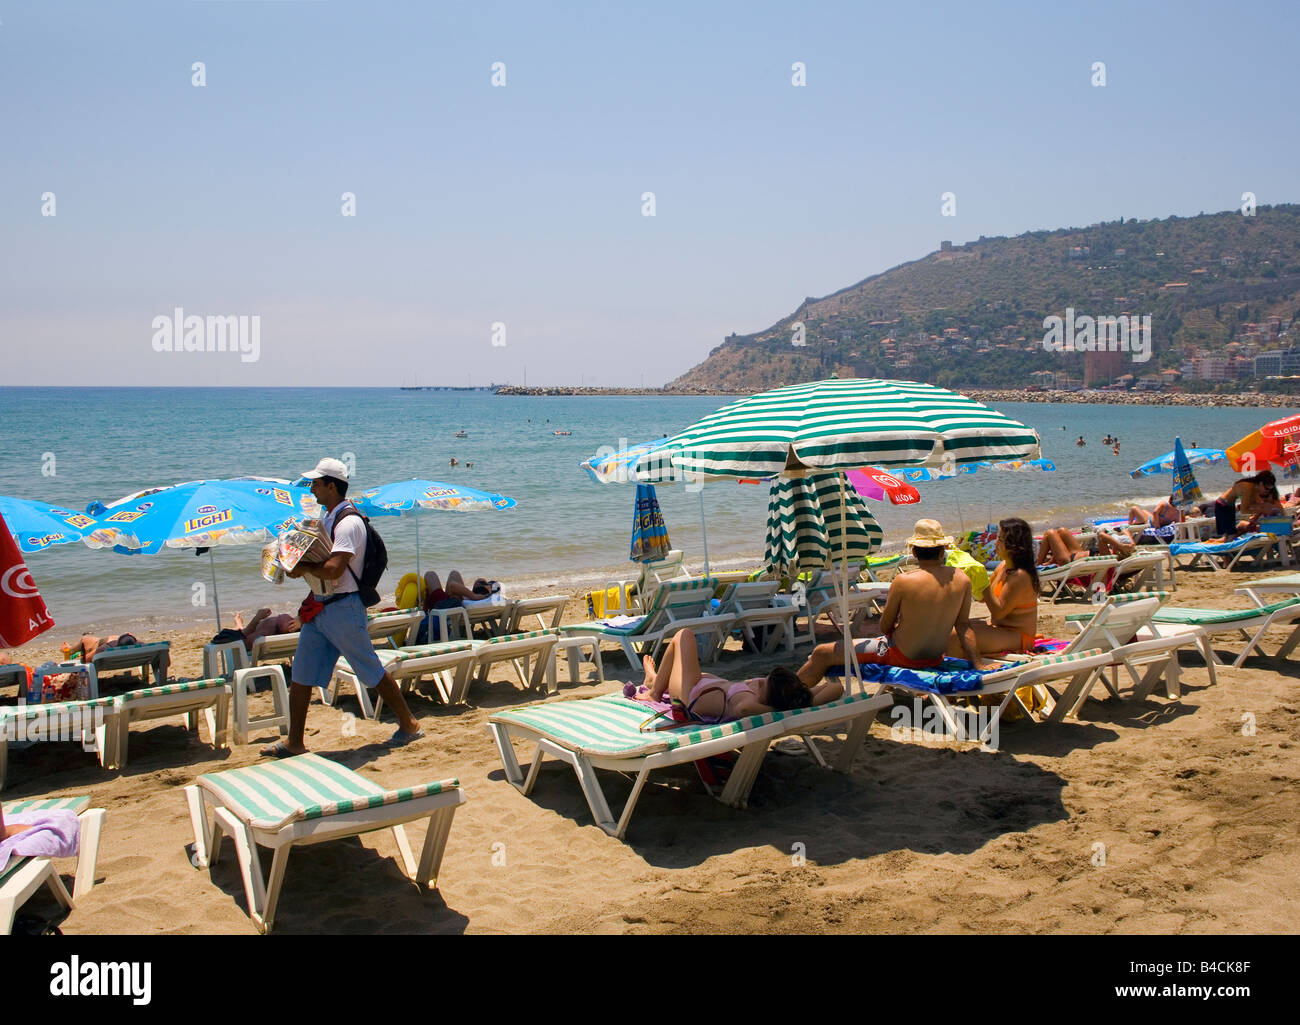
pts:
[499, 231]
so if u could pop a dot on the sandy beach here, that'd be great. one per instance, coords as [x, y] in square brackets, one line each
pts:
[1152, 817]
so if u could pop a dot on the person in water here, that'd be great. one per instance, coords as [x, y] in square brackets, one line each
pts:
[711, 697]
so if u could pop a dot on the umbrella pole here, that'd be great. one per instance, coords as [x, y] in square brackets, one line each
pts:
[215, 600]
[704, 531]
[418, 578]
[850, 662]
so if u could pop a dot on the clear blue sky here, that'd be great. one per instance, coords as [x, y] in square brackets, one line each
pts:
[522, 204]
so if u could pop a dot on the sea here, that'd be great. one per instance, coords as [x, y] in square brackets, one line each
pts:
[71, 446]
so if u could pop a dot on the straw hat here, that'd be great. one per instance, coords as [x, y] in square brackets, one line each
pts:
[929, 534]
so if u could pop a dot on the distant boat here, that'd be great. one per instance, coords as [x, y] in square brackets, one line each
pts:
[562, 434]
[461, 434]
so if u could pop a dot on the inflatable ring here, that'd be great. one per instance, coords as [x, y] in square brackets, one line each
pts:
[410, 591]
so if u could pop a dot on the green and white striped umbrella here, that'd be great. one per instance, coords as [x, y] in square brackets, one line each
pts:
[841, 425]
[806, 524]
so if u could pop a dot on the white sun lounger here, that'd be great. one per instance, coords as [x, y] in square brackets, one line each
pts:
[185, 697]
[548, 611]
[447, 664]
[24, 876]
[753, 605]
[1202, 625]
[1226, 556]
[636, 596]
[820, 600]
[1147, 568]
[604, 733]
[677, 605]
[304, 800]
[84, 722]
[1087, 569]
[154, 657]
[1285, 586]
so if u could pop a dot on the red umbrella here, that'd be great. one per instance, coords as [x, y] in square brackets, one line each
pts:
[878, 484]
[22, 610]
[1277, 443]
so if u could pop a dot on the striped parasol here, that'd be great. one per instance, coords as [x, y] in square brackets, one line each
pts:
[842, 424]
[807, 518]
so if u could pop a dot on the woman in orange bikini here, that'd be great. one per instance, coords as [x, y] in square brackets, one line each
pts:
[1012, 594]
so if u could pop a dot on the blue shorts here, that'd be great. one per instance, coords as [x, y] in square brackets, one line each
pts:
[339, 629]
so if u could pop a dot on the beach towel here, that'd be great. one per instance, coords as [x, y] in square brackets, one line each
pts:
[621, 624]
[54, 834]
[953, 677]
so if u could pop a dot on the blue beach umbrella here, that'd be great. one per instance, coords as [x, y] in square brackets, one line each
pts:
[649, 535]
[417, 497]
[1185, 490]
[37, 526]
[1166, 462]
[199, 514]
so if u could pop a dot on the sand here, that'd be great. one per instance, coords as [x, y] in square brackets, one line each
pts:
[1151, 817]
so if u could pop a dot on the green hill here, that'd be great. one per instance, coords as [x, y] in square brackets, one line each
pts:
[972, 315]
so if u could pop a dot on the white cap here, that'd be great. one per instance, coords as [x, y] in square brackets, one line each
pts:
[329, 468]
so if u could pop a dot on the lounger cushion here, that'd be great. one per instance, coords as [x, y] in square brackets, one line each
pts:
[73, 804]
[179, 687]
[610, 726]
[1212, 617]
[271, 795]
[1201, 547]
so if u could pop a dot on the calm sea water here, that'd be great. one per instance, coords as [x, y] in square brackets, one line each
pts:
[106, 443]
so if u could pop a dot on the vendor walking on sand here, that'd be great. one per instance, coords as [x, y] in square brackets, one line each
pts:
[338, 626]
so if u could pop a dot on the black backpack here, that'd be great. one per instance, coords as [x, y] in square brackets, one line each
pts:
[375, 562]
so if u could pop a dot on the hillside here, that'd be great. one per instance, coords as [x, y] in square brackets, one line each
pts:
[1216, 285]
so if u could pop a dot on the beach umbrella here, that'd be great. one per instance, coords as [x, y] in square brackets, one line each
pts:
[813, 521]
[878, 484]
[649, 535]
[1166, 462]
[416, 497]
[199, 514]
[1185, 490]
[36, 526]
[619, 467]
[839, 425]
[23, 614]
[1276, 444]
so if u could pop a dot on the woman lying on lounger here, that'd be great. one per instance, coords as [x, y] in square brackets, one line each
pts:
[713, 698]
[1058, 547]
[1012, 594]
[1161, 516]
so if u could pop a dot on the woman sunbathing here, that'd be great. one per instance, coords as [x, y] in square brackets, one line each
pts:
[1059, 546]
[1161, 516]
[1012, 594]
[263, 624]
[713, 698]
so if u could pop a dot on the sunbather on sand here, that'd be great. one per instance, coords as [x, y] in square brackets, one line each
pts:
[86, 647]
[263, 624]
[1059, 546]
[455, 593]
[1161, 516]
[924, 608]
[1011, 597]
[711, 697]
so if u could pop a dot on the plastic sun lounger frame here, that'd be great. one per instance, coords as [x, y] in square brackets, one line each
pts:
[257, 806]
[1224, 557]
[820, 600]
[154, 657]
[1202, 625]
[24, 876]
[394, 628]
[752, 605]
[447, 663]
[187, 698]
[603, 733]
[1087, 567]
[677, 605]
[1079, 668]
[635, 595]
[552, 606]
[103, 714]
[1287, 584]
[1147, 566]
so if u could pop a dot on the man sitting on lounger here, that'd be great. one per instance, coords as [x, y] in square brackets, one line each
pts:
[924, 608]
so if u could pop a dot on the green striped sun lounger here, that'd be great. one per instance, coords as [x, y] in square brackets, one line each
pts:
[604, 733]
[305, 800]
[24, 876]
[676, 605]
[447, 664]
[1203, 625]
[184, 697]
[93, 723]
[154, 657]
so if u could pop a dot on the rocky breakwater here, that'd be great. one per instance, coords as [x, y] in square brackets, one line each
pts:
[1135, 398]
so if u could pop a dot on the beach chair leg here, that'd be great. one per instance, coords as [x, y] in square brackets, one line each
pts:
[743, 774]
[250, 866]
[1074, 695]
[1289, 645]
[509, 761]
[435, 843]
[123, 738]
[949, 716]
[590, 786]
[404, 849]
[199, 823]
[857, 734]
[272, 895]
[92, 823]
